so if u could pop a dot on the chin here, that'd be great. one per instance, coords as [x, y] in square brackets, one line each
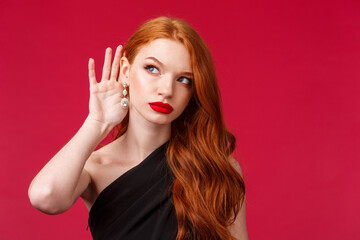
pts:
[155, 117]
[161, 120]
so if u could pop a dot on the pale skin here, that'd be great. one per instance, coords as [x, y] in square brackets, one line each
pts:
[161, 72]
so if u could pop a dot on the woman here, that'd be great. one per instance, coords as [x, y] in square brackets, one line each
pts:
[169, 173]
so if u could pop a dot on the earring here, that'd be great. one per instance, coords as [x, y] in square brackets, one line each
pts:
[124, 101]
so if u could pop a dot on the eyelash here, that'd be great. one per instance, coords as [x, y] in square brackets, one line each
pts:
[151, 66]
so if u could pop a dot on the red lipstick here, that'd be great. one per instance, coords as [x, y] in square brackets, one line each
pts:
[161, 107]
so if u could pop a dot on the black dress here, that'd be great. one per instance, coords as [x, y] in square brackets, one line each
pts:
[137, 205]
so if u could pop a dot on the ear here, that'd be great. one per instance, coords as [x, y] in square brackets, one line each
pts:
[124, 71]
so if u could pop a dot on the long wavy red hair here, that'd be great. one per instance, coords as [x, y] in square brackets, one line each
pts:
[207, 192]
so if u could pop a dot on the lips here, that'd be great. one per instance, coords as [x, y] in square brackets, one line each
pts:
[161, 107]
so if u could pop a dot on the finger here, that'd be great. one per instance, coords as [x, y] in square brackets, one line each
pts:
[92, 77]
[107, 62]
[116, 63]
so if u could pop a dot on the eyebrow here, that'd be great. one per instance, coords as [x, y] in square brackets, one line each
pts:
[189, 74]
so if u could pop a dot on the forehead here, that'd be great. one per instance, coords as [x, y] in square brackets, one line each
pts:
[170, 52]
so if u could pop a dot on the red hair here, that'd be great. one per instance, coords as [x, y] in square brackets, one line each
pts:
[207, 192]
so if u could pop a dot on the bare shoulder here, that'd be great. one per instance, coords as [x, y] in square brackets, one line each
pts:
[99, 158]
[94, 159]
[238, 229]
[97, 164]
[235, 164]
[89, 194]
[104, 166]
[93, 162]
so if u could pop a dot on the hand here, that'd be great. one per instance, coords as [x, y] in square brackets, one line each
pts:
[105, 96]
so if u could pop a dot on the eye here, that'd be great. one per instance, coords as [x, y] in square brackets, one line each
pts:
[185, 80]
[152, 69]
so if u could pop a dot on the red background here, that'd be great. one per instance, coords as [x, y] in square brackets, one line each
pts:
[289, 76]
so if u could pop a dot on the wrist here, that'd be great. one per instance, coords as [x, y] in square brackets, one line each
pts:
[102, 128]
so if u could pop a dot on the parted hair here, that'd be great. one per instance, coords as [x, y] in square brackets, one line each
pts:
[207, 191]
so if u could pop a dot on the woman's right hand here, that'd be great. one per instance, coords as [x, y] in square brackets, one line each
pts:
[63, 179]
[105, 96]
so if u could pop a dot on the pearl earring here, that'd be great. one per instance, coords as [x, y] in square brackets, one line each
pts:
[124, 101]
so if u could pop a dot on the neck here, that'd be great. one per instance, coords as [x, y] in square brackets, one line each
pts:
[143, 137]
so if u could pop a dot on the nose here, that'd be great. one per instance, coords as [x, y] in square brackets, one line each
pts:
[166, 86]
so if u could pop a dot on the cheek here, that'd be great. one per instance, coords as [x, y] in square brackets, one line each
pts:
[186, 99]
[140, 86]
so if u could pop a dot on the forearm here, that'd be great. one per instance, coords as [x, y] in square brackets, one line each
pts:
[52, 190]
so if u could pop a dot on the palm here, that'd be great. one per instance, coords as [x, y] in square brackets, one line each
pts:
[105, 96]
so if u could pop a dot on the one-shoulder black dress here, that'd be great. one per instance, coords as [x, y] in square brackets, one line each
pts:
[137, 205]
